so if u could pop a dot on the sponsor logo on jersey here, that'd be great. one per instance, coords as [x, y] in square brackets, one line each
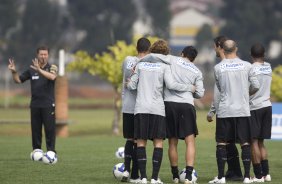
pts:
[189, 66]
[231, 66]
[130, 65]
[263, 70]
[35, 77]
[150, 66]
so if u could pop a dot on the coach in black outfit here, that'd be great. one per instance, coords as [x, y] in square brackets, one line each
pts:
[42, 77]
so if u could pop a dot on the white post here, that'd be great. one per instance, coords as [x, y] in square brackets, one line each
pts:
[61, 62]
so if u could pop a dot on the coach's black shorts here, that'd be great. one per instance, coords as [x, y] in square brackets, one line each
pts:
[149, 126]
[261, 122]
[180, 120]
[128, 125]
[237, 129]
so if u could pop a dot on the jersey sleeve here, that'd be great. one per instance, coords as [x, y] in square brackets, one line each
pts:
[25, 76]
[254, 83]
[199, 92]
[133, 80]
[172, 84]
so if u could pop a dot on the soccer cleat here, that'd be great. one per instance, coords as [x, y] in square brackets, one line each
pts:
[137, 180]
[158, 181]
[143, 181]
[188, 181]
[247, 180]
[216, 180]
[125, 176]
[267, 178]
[175, 180]
[256, 180]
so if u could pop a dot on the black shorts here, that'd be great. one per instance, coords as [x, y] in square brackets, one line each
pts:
[180, 120]
[261, 123]
[128, 125]
[149, 126]
[237, 129]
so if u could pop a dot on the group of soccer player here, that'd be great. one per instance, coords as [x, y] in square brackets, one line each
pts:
[158, 103]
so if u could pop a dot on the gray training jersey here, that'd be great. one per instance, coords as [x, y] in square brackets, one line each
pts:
[234, 81]
[149, 79]
[261, 98]
[128, 96]
[184, 71]
[214, 105]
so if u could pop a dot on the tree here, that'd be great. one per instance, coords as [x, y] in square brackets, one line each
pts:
[104, 22]
[276, 86]
[252, 21]
[108, 66]
[204, 37]
[8, 18]
[160, 14]
[40, 24]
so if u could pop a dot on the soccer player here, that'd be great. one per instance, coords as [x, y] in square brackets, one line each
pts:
[149, 120]
[234, 170]
[261, 114]
[42, 77]
[128, 104]
[180, 111]
[234, 82]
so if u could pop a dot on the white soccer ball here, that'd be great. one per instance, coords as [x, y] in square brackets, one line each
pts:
[118, 171]
[183, 174]
[120, 152]
[36, 155]
[50, 157]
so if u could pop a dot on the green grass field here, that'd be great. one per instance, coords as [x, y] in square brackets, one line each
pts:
[88, 155]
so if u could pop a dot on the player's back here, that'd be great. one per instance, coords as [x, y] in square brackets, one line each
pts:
[185, 72]
[150, 88]
[263, 73]
[128, 96]
[232, 80]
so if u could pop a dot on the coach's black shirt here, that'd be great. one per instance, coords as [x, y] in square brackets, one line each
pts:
[42, 89]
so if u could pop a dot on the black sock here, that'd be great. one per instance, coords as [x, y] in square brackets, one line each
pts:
[246, 159]
[157, 161]
[221, 159]
[134, 172]
[142, 161]
[257, 170]
[189, 171]
[175, 172]
[128, 150]
[233, 160]
[265, 167]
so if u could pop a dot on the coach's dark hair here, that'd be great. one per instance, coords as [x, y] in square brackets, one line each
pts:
[160, 47]
[143, 45]
[190, 52]
[218, 41]
[257, 51]
[42, 47]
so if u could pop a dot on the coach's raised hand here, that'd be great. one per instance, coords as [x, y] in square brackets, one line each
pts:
[35, 65]
[12, 65]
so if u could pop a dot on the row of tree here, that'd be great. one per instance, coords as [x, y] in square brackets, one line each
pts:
[88, 25]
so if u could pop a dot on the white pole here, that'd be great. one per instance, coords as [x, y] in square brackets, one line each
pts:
[61, 62]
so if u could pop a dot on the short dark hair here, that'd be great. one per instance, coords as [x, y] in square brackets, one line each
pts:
[190, 52]
[160, 47]
[257, 50]
[143, 45]
[42, 47]
[219, 40]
